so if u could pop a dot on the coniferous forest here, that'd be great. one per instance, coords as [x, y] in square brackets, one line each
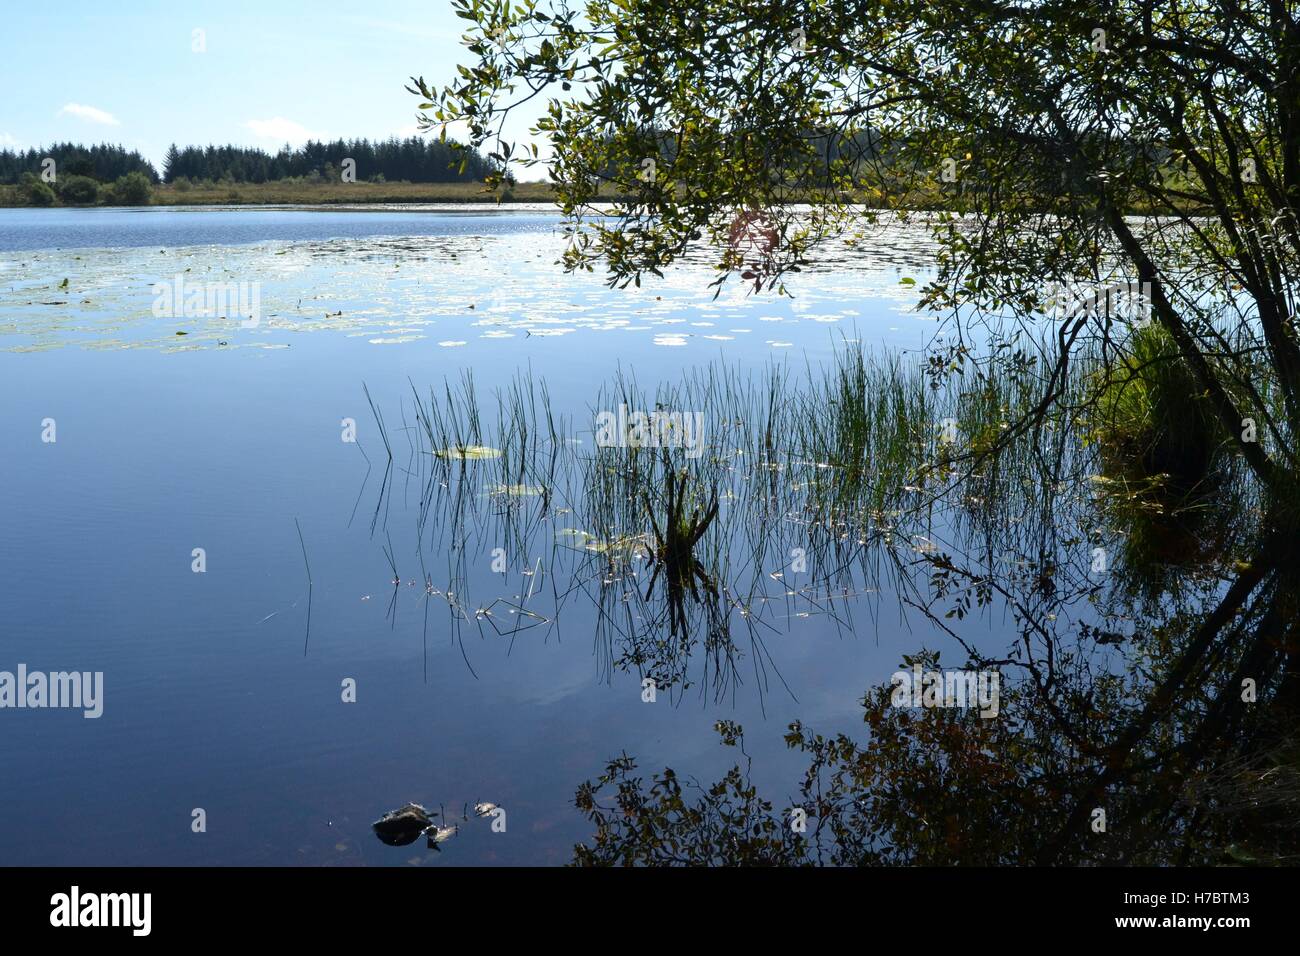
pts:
[413, 159]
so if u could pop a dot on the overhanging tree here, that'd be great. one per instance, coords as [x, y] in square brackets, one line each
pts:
[1057, 144]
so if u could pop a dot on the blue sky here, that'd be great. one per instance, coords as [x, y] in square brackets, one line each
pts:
[273, 70]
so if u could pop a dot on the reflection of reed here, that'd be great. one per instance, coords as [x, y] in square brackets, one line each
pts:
[1110, 697]
[809, 498]
[307, 637]
[714, 533]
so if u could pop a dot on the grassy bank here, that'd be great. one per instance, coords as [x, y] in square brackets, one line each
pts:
[297, 192]
[314, 194]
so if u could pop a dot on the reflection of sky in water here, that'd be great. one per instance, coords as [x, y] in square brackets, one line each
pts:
[210, 699]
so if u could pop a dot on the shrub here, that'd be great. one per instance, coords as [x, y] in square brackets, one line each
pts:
[133, 189]
[36, 192]
[1164, 459]
[1154, 418]
[80, 190]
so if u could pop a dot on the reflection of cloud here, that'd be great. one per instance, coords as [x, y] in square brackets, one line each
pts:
[90, 114]
[283, 130]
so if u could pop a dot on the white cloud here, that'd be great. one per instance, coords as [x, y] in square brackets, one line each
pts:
[283, 130]
[90, 114]
[7, 141]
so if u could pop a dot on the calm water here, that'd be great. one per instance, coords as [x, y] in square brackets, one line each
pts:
[215, 696]
[35, 229]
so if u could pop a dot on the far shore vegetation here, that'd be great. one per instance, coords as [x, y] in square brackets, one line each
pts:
[287, 192]
[412, 170]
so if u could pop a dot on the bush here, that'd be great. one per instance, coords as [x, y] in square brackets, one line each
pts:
[133, 189]
[1163, 456]
[1155, 419]
[80, 190]
[35, 191]
[182, 185]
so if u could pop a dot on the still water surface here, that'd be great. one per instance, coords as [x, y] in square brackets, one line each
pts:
[216, 696]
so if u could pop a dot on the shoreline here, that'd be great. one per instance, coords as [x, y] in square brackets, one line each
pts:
[317, 195]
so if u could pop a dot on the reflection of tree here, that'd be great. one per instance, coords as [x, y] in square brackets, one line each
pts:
[1120, 694]
[728, 823]
[1182, 777]
[1161, 738]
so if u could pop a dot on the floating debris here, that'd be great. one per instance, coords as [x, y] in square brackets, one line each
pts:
[403, 826]
[440, 835]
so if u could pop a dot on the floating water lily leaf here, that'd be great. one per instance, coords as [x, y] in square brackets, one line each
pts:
[469, 452]
[517, 491]
[628, 544]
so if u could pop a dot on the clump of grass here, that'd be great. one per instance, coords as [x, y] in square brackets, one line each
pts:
[859, 437]
[687, 516]
[1163, 454]
[845, 466]
[1252, 800]
[1153, 419]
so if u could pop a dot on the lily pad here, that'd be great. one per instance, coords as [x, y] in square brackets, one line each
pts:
[627, 544]
[517, 491]
[468, 452]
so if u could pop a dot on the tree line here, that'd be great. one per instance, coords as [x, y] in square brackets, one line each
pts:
[103, 162]
[413, 159]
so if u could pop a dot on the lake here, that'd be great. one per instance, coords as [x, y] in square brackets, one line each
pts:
[224, 686]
